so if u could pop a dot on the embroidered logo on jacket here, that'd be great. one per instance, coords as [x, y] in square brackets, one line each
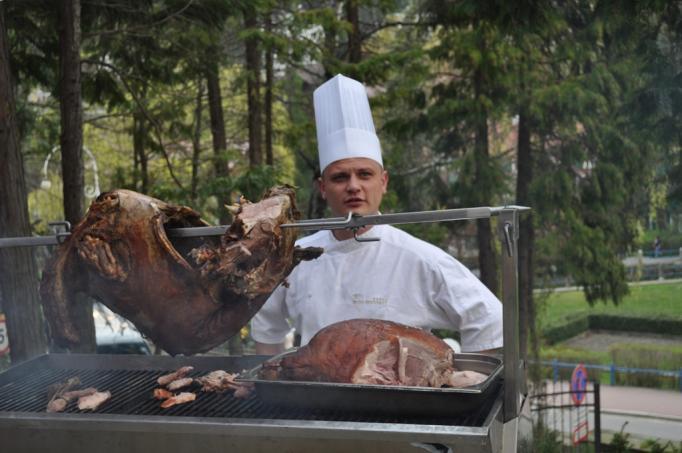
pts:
[360, 300]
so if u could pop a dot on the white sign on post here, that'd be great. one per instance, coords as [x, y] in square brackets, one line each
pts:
[4, 341]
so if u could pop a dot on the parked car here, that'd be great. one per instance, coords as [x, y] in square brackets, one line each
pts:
[115, 334]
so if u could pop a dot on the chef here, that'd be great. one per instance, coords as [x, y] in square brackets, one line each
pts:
[398, 278]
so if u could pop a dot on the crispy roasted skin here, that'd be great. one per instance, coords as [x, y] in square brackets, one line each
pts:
[188, 295]
[336, 352]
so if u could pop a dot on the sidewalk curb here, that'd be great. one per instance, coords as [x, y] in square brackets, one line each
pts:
[561, 289]
[641, 414]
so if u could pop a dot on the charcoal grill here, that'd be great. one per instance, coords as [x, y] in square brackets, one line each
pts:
[132, 420]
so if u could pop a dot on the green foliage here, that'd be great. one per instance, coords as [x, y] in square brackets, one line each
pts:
[669, 240]
[655, 324]
[655, 446]
[648, 308]
[545, 440]
[600, 89]
[631, 355]
[648, 301]
[580, 323]
[647, 356]
[564, 331]
[620, 443]
[255, 181]
[571, 355]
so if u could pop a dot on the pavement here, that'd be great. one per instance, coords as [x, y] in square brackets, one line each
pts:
[631, 261]
[665, 404]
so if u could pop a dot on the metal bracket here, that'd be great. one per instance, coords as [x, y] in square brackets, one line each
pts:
[61, 236]
[508, 230]
[361, 239]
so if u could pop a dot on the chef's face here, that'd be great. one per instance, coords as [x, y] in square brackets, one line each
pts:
[356, 184]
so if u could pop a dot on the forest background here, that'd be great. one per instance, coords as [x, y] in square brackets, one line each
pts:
[572, 108]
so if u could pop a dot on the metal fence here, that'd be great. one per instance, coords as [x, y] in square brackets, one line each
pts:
[612, 369]
[566, 412]
[663, 253]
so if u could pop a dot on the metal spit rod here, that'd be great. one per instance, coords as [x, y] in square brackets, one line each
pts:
[353, 221]
[508, 229]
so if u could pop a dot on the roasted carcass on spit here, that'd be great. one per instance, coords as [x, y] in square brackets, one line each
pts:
[372, 351]
[187, 295]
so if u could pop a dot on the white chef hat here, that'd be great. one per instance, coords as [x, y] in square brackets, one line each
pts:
[344, 122]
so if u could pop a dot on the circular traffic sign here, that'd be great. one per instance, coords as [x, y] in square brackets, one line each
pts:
[578, 384]
[4, 340]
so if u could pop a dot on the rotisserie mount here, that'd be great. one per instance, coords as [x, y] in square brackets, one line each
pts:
[186, 295]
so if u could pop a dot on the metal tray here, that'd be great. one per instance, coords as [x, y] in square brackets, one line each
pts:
[383, 399]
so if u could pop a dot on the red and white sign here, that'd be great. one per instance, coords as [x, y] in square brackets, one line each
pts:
[578, 384]
[4, 341]
[581, 433]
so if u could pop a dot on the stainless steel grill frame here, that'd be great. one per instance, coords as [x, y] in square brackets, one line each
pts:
[133, 420]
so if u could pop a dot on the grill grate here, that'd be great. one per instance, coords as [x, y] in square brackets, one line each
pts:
[25, 390]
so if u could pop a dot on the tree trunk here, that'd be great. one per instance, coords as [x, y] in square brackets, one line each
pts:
[71, 109]
[253, 90]
[18, 273]
[215, 108]
[524, 179]
[71, 141]
[196, 142]
[269, 159]
[317, 205]
[354, 38]
[486, 253]
[141, 159]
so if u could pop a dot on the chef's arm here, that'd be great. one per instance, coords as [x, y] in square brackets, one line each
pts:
[269, 349]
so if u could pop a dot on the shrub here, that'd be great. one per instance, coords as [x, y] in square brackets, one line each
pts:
[601, 321]
[669, 326]
[544, 440]
[569, 355]
[647, 356]
[569, 329]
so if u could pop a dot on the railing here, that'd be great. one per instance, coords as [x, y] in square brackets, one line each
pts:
[566, 414]
[612, 369]
[662, 253]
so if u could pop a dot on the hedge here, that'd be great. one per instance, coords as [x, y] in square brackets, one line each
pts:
[664, 326]
[647, 356]
[558, 333]
[570, 329]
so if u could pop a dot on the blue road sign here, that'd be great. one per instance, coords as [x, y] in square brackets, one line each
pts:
[578, 384]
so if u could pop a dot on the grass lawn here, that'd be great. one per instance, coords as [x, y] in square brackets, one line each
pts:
[656, 300]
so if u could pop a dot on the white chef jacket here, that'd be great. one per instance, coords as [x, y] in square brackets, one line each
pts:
[399, 278]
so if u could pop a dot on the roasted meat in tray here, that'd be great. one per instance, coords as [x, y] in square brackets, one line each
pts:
[377, 366]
